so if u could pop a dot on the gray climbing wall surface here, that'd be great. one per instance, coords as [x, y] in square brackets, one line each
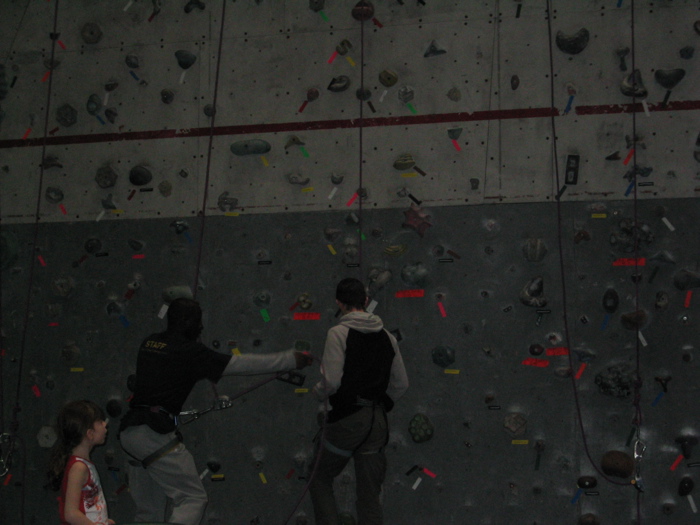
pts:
[254, 152]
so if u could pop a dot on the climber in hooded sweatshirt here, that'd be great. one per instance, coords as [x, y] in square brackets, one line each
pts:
[363, 375]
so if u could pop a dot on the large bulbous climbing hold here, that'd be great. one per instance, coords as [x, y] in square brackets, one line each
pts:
[66, 115]
[363, 11]
[91, 33]
[106, 177]
[140, 176]
[632, 85]
[531, 294]
[611, 300]
[421, 428]
[132, 61]
[618, 464]
[250, 147]
[634, 320]
[573, 44]
[443, 356]
[669, 78]
[534, 250]
[185, 59]
[686, 279]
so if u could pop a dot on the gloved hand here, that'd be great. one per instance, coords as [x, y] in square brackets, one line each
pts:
[303, 359]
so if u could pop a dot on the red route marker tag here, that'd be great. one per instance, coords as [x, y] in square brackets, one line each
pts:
[7, 480]
[558, 350]
[63, 46]
[640, 261]
[688, 297]
[628, 158]
[131, 195]
[54, 130]
[121, 489]
[289, 474]
[303, 106]
[580, 370]
[53, 324]
[332, 58]
[63, 209]
[533, 361]
[46, 76]
[129, 294]
[442, 310]
[352, 199]
[293, 307]
[139, 256]
[36, 391]
[26, 133]
[410, 293]
[377, 23]
[41, 260]
[456, 145]
[678, 461]
[307, 316]
[427, 472]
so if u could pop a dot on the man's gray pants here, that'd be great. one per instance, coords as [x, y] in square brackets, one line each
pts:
[172, 476]
[360, 436]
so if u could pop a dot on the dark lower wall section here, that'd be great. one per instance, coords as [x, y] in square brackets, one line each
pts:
[493, 377]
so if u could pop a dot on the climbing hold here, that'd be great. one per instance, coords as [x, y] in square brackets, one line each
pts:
[363, 11]
[62, 286]
[611, 300]
[136, 245]
[114, 408]
[185, 59]
[573, 44]
[165, 188]
[132, 61]
[66, 115]
[686, 279]
[250, 147]
[176, 292]
[312, 94]
[454, 94]
[416, 220]
[531, 294]
[617, 381]
[53, 195]
[669, 78]
[662, 300]
[587, 482]
[317, 5]
[209, 110]
[337, 179]
[535, 250]
[433, 50]
[167, 96]
[91, 33]
[404, 162]
[179, 227]
[632, 85]
[46, 437]
[343, 47]
[140, 176]
[621, 53]
[514, 82]
[663, 256]
[454, 133]
[474, 183]
[687, 52]
[108, 203]
[111, 115]
[388, 78]
[262, 299]
[617, 463]
[414, 274]
[685, 487]
[111, 85]
[421, 428]
[297, 178]
[192, 4]
[363, 94]
[443, 356]
[332, 234]
[396, 250]
[51, 161]
[515, 423]
[227, 203]
[106, 177]
[634, 320]
[406, 94]
[304, 300]
[339, 84]
[293, 141]
[536, 349]
[94, 104]
[93, 245]
[377, 279]
[589, 519]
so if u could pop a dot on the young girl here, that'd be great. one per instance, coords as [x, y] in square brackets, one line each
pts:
[81, 426]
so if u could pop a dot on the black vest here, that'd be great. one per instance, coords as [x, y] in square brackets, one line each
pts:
[366, 373]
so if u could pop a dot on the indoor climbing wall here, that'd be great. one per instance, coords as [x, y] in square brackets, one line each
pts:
[251, 153]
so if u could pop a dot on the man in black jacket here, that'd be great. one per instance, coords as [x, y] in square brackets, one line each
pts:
[168, 366]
